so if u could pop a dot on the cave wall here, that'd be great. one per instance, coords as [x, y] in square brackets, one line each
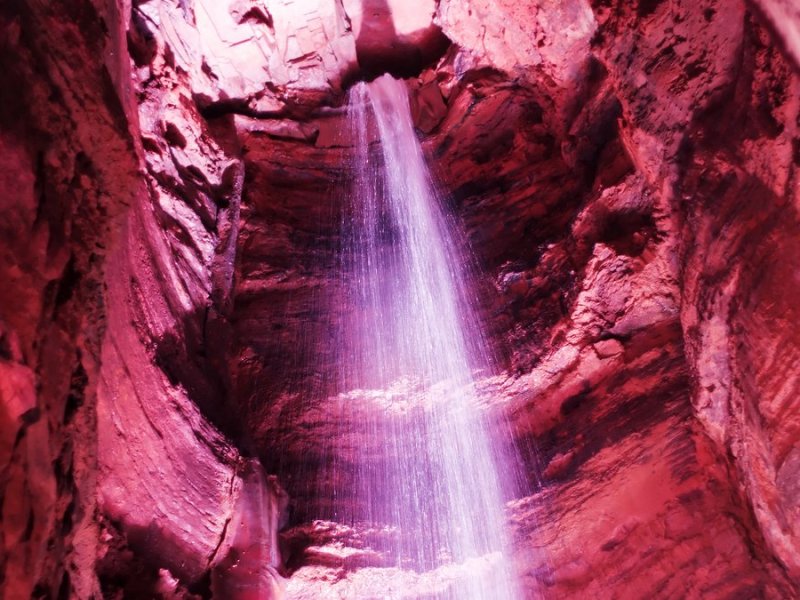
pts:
[626, 174]
[118, 262]
[69, 170]
[198, 515]
[729, 157]
[685, 112]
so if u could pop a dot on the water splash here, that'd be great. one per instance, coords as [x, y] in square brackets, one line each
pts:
[412, 345]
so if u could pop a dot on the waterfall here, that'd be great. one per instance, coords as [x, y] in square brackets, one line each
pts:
[410, 347]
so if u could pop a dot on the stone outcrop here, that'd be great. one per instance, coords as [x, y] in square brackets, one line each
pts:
[172, 177]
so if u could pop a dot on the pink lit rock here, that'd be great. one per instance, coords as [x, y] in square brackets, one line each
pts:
[249, 558]
[394, 35]
[550, 38]
[783, 16]
[289, 52]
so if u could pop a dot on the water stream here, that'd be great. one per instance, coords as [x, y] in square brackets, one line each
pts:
[413, 344]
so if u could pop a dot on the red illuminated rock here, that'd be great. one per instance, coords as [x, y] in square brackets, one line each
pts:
[395, 36]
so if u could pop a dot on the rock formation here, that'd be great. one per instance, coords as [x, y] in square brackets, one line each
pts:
[627, 174]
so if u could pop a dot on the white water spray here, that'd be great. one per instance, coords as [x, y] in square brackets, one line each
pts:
[413, 341]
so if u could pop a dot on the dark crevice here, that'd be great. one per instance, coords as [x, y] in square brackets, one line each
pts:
[77, 391]
[68, 283]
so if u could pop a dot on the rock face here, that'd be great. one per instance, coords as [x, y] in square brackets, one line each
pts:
[170, 191]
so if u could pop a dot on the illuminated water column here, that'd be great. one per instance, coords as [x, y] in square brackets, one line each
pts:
[412, 337]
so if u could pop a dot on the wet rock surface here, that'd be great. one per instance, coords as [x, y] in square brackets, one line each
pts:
[172, 172]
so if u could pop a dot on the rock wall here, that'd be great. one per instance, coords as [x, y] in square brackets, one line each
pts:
[731, 154]
[118, 258]
[69, 169]
[627, 176]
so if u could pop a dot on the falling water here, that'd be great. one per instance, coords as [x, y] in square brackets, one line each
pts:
[412, 346]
